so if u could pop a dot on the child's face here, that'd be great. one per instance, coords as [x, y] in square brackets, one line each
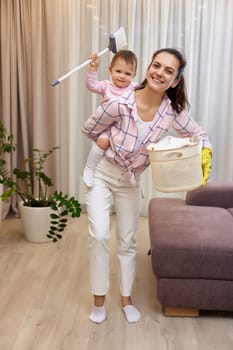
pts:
[122, 73]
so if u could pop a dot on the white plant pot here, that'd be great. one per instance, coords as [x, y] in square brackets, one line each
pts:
[36, 223]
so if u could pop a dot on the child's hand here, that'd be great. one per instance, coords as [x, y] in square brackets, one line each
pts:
[95, 60]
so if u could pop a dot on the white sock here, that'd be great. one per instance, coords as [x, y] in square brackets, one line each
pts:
[96, 153]
[98, 314]
[131, 313]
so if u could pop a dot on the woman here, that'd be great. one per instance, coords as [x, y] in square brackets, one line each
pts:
[135, 120]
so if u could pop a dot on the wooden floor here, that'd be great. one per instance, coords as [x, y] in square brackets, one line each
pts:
[45, 300]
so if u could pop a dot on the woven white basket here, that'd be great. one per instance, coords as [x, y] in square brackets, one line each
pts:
[177, 169]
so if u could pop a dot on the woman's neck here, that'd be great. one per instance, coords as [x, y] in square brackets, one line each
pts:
[147, 103]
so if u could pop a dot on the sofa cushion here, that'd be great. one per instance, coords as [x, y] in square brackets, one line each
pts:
[214, 194]
[190, 241]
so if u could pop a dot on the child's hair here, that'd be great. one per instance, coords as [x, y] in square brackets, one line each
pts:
[177, 95]
[126, 55]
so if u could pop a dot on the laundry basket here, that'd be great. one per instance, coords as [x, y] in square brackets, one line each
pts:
[176, 164]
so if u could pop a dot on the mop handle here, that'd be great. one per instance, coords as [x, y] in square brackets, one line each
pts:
[57, 81]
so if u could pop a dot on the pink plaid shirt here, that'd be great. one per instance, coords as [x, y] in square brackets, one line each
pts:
[120, 116]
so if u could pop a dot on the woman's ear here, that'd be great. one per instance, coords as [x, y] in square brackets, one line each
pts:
[176, 82]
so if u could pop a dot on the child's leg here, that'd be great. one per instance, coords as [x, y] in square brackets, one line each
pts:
[95, 155]
[102, 143]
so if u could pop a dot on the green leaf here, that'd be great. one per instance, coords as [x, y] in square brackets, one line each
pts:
[54, 216]
[53, 206]
[62, 225]
[64, 212]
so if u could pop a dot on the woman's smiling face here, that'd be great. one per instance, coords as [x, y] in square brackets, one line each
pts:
[163, 71]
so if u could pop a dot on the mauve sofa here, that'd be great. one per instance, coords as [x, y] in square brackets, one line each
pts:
[192, 250]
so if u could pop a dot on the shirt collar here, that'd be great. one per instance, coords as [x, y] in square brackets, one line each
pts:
[129, 99]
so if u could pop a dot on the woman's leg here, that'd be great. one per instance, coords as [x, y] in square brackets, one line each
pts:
[127, 203]
[98, 209]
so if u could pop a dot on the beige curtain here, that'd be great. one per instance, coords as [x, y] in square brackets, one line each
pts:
[43, 39]
[31, 35]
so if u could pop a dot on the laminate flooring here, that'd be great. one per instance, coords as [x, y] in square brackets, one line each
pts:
[45, 299]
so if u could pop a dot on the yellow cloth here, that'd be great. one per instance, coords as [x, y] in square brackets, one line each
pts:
[206, 164]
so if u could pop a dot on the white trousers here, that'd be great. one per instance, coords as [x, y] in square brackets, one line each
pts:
[110, 181]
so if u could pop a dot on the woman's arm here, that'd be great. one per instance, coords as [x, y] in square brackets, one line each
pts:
[185, 126]
[106, 115]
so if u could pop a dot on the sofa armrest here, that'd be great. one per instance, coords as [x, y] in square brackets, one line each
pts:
[214, 194]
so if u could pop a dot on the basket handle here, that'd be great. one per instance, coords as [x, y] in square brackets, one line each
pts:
[174, 155]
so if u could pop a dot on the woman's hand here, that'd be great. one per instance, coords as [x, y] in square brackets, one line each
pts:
[206, 164]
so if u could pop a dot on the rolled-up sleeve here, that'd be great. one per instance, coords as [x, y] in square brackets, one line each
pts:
[186, 126]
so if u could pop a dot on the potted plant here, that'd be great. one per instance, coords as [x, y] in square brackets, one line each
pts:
[6, 146]
[32, 187]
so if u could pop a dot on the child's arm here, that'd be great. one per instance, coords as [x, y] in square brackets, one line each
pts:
[92, 83]
[95, 61]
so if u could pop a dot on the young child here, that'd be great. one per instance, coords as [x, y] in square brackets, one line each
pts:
[122, 70]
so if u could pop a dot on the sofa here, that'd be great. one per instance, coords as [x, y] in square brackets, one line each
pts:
[191, 245]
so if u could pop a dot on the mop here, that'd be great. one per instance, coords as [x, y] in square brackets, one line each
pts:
[117, 41]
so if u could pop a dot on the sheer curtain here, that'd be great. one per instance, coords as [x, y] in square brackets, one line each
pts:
[42, 40]
[203, 31]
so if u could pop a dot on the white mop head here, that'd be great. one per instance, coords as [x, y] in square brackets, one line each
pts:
[117, 40]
